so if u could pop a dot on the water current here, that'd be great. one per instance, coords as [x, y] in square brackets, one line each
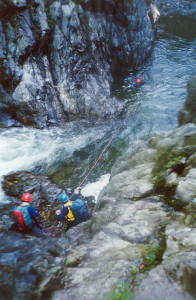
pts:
[65, 153]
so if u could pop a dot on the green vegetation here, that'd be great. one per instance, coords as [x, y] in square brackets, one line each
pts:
[157, 180]
[134, 271]
[190, 219]
[121, 292]
[167, 161]
[160, 186]
[56, 270]
[66, 171]
[68, 263]
[151, 256]
[173, 161]
[72, 263]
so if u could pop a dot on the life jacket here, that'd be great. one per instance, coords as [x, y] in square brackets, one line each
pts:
[70, 216]
[22, 217]
[78, 211]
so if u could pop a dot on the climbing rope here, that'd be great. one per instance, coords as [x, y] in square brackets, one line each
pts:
[54, 230]
[101, 155]
[105, 149]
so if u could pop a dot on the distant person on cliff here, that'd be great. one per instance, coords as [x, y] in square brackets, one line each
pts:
[74, 210]
[25, 217]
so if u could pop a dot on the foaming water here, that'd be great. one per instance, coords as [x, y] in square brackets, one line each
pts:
[27, 148]
[94, 188]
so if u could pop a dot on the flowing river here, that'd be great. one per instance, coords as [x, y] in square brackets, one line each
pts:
[65, 153]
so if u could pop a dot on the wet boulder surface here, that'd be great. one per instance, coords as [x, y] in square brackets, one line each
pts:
[140, 240]
[29, 262]
[39, 185]
[143, 234]
[58, 59]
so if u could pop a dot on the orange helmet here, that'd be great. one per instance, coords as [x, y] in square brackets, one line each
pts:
[26, 197]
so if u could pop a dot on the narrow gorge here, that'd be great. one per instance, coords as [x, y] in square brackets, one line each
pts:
[68, 73]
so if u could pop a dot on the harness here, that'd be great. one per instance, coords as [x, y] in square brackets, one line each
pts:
[70, 216]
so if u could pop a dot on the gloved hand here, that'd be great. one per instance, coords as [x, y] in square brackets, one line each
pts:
[77, 190]
[58, 212]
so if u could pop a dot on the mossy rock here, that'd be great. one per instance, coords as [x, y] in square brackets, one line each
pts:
[168, 160]
[190, 219]
[152, 255]
[122, 291]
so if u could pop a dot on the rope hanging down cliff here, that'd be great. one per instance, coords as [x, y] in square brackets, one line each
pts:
[105, 149]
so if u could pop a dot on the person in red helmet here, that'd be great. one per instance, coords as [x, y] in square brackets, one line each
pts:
[138, 81]
[25, 216]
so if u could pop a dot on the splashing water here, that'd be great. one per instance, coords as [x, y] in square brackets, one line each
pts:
[27, 148]
[94, 188]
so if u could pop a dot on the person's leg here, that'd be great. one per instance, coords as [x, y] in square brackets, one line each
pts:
[36, 231]
[14, 227]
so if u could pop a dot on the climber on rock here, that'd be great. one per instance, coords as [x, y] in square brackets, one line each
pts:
[25, 217]
[74, 210]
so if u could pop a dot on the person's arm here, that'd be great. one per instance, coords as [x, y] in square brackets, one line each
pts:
[76, 194]
[60, 214]
[33, 212]
[74, 197]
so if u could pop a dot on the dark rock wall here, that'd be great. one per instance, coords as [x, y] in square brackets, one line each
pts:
[58, 58]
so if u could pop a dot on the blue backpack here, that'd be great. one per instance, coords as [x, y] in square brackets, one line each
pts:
[22, 217]
[80, 209]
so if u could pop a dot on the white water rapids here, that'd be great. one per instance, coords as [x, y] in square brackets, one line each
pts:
[27, 148]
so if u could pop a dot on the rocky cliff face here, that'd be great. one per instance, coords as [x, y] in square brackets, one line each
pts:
[58, 58]
[141, 239]
[145, 220]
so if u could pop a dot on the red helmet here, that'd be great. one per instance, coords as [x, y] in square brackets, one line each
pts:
[138, 80]
[26, 197]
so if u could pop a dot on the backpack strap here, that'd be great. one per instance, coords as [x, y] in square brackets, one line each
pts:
[70, 216]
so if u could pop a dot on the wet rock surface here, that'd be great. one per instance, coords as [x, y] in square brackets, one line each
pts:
[28, 262]
[139, 237]
[58, 58]
[175, 276]
[39, 186]
[128, 227]
[44, 193]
